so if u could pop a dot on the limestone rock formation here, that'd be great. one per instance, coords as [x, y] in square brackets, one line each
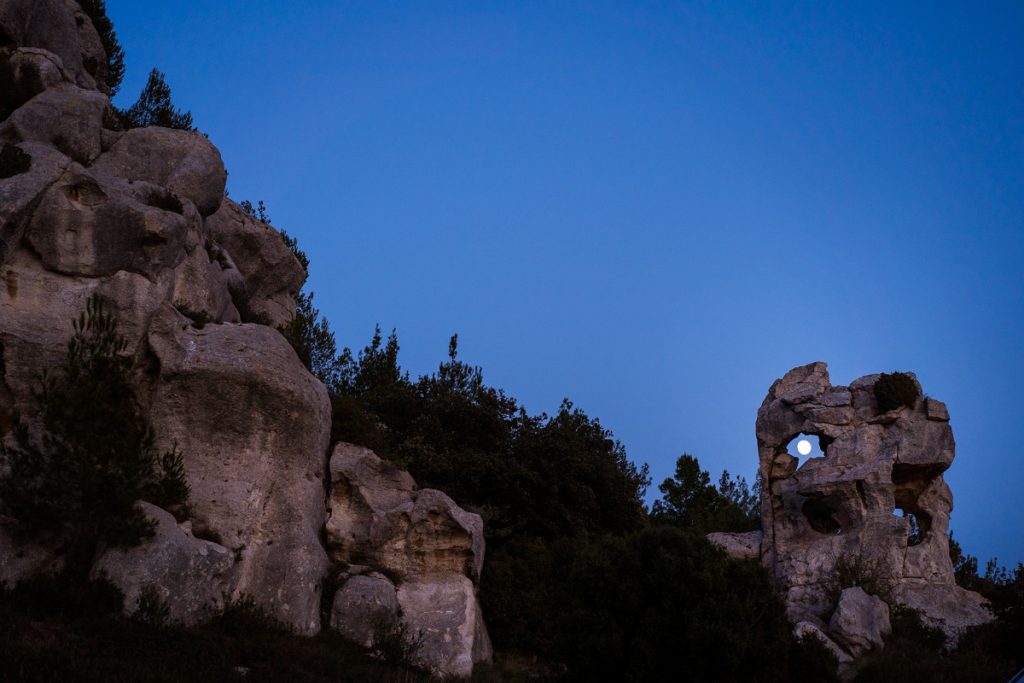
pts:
[199, 288]
[421, 540]
[126, 215]
[844, 513]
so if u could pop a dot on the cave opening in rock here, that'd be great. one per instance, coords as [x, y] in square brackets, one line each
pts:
[822, 514]
[910, 482]
[916, 533]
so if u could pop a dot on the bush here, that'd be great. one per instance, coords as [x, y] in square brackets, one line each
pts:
[690, 501]
[664, 604]
[895, 390]
[93, 455]
[13, 161]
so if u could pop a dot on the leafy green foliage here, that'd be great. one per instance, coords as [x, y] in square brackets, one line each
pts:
[311, 337]
[690, 501]
[965, 567]
[663, 603]
[13, 161]
[545, 475]
[154, 107]
[113, 73]
[93, 455]
[895, 390]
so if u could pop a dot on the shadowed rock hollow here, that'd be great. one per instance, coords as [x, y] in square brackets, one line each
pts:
[199, 288]
[845, 517]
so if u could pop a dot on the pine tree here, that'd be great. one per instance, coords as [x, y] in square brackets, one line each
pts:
[114, 73]
[93, 455]
[154, 107]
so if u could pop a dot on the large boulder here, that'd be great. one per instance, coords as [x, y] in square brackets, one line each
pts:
[378, 518]
[430, 548]
[253, 425]
[183, 162]
[271, 275]
[26, 72]
[860, 622]
[365, 604]
[189, 575]
[445, 617]
[66, 116]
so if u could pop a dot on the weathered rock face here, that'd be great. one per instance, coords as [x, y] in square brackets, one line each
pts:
[860, 622]
[253, 425]
[61, 27]
[843, 510]
[123, 215]
[139, 217]
[190, 575]
[430, 549]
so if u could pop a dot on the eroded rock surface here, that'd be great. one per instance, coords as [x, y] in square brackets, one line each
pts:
[199, 288]
[430, 548]
[846, 510]
[189, 575]
[126, 216]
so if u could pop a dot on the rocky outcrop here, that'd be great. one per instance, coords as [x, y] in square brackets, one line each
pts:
[126, 215]
[849, 512]
[429, 549]
[199, 288]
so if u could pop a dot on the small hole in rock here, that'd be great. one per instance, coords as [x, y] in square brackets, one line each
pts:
[807, 446]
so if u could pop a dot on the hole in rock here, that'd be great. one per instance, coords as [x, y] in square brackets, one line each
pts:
[807, 446]
[823, 515]
[916, 533]
[910, 481]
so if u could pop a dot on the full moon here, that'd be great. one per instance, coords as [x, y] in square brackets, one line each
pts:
[803, 447]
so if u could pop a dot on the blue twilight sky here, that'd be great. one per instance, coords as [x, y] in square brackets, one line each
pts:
[653, 208]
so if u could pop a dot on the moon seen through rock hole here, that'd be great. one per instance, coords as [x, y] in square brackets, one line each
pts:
[803, 447]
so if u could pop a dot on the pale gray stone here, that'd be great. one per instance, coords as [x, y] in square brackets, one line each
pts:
[806, 628]
[446, 616]
[377, 517]
[189, 575]
[739, 546]
[270, 274]
[20, 194]
[253, 425]
[183, 162]
[65, 116]
[861, 621]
